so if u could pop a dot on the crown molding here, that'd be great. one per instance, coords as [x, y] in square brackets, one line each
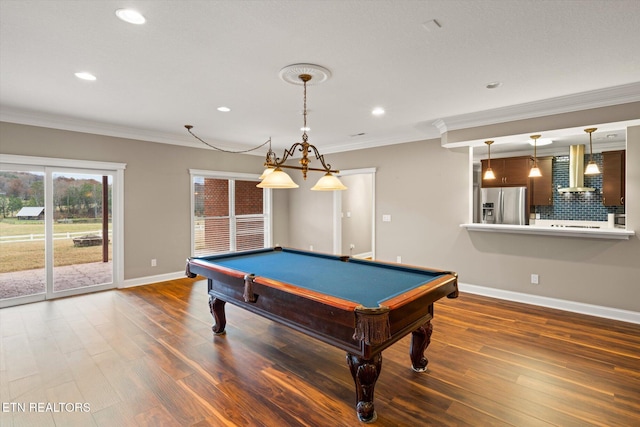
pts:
[587, 100]
[379, 142]
[441, 125]
[607, 97]
[54, 121]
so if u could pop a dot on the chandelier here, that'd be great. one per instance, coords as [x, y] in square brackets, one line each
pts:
[274, 176]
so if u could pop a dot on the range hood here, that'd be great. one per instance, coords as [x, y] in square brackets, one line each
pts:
[576, 171]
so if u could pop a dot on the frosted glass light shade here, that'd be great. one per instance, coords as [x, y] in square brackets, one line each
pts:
[488, 174]
[266, 172]
[592, 168]
[328, 183]
[277, 179]
[534, 172]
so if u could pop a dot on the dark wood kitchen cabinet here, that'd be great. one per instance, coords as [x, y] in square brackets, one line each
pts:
[542, 186]
[509, 172]
[613, 178]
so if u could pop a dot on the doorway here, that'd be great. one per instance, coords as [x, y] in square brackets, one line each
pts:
[354, 214]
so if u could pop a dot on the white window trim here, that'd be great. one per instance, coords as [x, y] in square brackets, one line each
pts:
[267, 200]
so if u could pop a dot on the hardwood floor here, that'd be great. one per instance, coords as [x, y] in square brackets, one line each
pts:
[146, 356]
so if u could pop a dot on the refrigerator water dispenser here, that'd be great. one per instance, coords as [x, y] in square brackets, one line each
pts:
[488, 216]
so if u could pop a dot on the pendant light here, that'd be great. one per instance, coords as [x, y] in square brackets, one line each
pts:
[274, 176]
[488, 173]
[328, 183]
[277, 179]
[266, 172]
[592, 167]
[535, 170]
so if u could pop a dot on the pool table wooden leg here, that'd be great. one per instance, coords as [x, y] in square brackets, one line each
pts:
[365, 373]
[216, 307]
[420, 339]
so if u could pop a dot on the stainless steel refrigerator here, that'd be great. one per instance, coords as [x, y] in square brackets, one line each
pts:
[504, 205]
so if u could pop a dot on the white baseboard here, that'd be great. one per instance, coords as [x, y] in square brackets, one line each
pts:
[572, 306]
[575, 307]
[364, 255]
[152, 279]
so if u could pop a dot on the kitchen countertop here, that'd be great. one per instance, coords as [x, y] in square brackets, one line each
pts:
[565, 229]
[569, 223]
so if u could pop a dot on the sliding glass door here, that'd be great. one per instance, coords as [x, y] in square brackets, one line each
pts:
[59, 231]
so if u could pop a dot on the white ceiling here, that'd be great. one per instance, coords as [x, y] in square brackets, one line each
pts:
[194, 56]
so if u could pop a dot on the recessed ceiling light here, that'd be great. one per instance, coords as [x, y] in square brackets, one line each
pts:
[494, 85]
[378, 111]
[131, 16]
[85, 76]
[224, 109]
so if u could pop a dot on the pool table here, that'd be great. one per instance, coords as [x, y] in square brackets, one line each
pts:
[359, 306]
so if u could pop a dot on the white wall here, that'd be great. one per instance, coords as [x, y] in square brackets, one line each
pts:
[310, 215]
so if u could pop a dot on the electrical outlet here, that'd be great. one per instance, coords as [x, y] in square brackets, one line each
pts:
[311, 247]
[154, 262]
[399, 259]
[535, 279]
[352, 246]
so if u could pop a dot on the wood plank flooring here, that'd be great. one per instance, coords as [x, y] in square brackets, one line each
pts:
[146, 357]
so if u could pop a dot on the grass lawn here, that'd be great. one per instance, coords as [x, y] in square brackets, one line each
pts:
[18, 256]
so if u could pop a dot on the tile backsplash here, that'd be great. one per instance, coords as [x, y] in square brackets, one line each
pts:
[577, 206]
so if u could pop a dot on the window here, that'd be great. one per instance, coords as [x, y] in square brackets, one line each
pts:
[229, 213]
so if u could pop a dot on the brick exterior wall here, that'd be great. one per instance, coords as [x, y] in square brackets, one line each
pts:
[216, 197]
[248, 201]
[248, 198]
[216, 203]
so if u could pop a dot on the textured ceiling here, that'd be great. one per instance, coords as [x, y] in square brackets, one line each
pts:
[193, 56]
